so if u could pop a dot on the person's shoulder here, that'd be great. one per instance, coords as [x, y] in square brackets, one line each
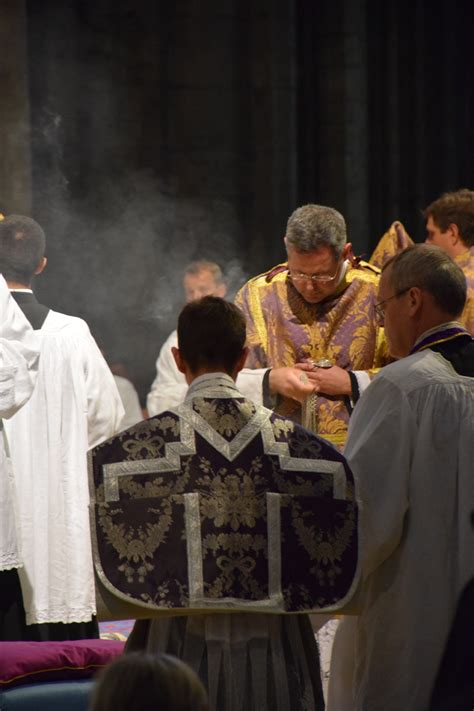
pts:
[57, 322]
[423, 369]
[274, 275]
[360, 271]
[166, 423]
[466, 262]
[124, 385]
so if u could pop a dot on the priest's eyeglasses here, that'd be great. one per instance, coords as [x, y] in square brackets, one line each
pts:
[303, 278]
[380, 308]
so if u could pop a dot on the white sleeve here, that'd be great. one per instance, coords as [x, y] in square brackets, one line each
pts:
[250, 384]
[169, 387]
[104, 406]
[19, 355]
[379, 451]
[130, 402]
[363, 380]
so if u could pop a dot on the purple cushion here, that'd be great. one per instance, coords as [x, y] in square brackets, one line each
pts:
[29, 662]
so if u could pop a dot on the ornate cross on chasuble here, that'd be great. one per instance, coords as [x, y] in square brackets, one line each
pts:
[221, 505]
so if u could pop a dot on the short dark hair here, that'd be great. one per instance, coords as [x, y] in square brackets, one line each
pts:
[22, 245]
[211, 333]
[146, 682]
[456, 208]
[431, 269]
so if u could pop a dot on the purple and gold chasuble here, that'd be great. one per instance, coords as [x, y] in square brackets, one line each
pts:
[222, 505]
[394, 241]
[283, 329]
[466, 262]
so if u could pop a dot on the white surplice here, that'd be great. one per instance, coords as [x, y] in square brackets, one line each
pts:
[19, 349]
[75, 406]
[169, 387]
[130, 402]
[411, 449]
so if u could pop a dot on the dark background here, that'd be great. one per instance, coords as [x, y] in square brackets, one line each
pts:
[165, 131]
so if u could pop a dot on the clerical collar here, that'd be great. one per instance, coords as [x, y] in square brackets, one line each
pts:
[212, 385]
[21, 291]
[341, 283]
[345, 267]
[440, 334]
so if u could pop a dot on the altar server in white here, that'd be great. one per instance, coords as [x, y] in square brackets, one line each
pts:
[75, 406]
[18, 369]
[411, 449]
[169, 388]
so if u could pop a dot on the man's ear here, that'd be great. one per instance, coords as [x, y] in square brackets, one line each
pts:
[346, 250]
[241, 361]
[41, 265]
[454, 235]
[178, 359]
[221, 290]
[415, 300]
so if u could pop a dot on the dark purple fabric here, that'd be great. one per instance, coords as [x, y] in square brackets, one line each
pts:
[140, 538]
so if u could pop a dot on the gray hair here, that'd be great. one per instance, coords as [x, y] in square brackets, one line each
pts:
[311, 227]
[431, 269]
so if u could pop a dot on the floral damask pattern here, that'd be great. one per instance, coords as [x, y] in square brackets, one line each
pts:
[282, 427]
[142, 538]
[226, 419]
[149, 438]
[304, 445]
[135, 545]
[325, 548]
[283, 329]
[232, 499]
[466, 262]
[243, 552]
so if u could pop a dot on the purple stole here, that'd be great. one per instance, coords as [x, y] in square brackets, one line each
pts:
[442, 336]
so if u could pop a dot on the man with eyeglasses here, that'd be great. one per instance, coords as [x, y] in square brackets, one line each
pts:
[411, 449]
[311, 323]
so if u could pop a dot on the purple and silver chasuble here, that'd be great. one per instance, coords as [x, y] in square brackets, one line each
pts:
[221, 505]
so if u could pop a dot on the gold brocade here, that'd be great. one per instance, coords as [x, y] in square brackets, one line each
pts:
[283, 329]
[466, 262]
[394, 241]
